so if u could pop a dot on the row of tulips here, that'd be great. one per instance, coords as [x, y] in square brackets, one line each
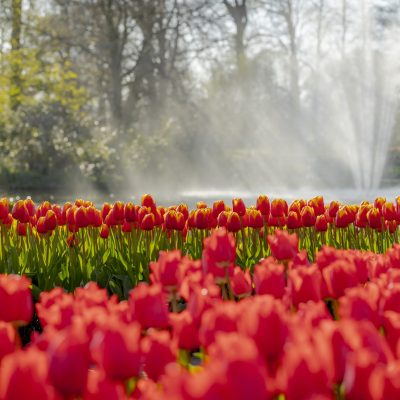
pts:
[72, 244]
[208, 330]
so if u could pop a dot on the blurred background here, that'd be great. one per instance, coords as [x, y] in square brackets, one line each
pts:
[114, 98]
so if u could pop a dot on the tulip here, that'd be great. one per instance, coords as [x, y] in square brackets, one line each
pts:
[99, 387]
[304, 284]
[233, 223]
[115, 347]
[15, 299]
[269, 278]
[148, 201]
[168, 270]
[239, 207]
[389, 212]
[69, 361]
[279, 208]
[218, 208]
[293, 220]
[283, 245]
[4, 208]
[158, 351]
[185, 330]
[9, 340]
[317, 203]
[23, 375]
[50, 220]
[255, 219]
[81, 218]
[148, 306]
[147, 223]
[222, 219]
[104, 231]
[308, 216]
[263, 205]
[20, 212]
[374, 219]
[21, 229]
[321, 224]
[240, 283]
[219, 254]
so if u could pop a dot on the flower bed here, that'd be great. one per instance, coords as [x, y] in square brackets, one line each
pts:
[72, 244]
[207, 329]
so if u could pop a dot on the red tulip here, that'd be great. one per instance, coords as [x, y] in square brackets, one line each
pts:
[99, 387]
[283, 245]
[69, 361]
[81, 218]
[269, 278]
[158, 351]
[333, 208]
[104, 231]
[218, 208]
[185, 330]
[4, 208]
[9, 340]
[293, 220]
[321, 224]
[115, 347]
[21, 229]
[148, 201]
[15, 299]
[50, 220]
[241, 283]
[147, 223]
[317, 203]
[304, 284]
[238, 207]
[222, 317]
[168, 270]
[279, 208]
[255, 219]
[219, 254]
[233, 223]
[118, 212]
[265, 322]
[308, 216]
[20, 212]
[23, 375]
[339, 276]
[148, 306]
[263, 205]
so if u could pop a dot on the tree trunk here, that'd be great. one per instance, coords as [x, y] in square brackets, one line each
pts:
[16, 56]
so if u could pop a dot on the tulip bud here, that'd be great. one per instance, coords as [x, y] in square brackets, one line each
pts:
[50, 220]
[104, 231]
[81, 219]
[321, 224]
[374, 219]
[263, 205]
[218, 207]
[279, 208]
[233, 223]
[293, 220]
[308, 216]
[147, 223]
[21, 229]
[239, 207]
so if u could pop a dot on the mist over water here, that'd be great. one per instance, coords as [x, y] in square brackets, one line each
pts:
[308, 105]
[331, 139]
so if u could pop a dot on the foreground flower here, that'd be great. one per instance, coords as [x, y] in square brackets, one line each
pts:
[284, 246]
[15, 299]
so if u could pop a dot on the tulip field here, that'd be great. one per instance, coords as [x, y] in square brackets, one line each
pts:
[269, 301]
[75, 243]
